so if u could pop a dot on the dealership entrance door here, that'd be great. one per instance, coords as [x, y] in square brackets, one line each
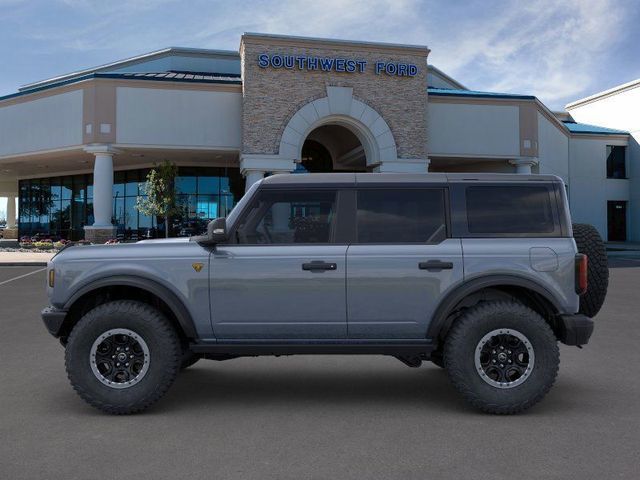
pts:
[617, 221]
[332, 148]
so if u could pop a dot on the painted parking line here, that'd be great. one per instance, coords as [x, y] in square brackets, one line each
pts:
[22, 276]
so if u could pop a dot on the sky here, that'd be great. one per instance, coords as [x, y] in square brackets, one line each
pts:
[558, 50]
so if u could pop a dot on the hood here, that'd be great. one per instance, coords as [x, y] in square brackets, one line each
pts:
[165, 240]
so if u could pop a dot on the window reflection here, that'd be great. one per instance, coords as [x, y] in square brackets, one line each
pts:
[59, 207]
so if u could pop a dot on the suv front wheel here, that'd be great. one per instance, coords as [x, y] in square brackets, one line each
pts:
[502, 356]
[123, 356]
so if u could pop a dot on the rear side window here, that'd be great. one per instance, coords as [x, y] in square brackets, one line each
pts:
[401, 216]
[509, 210]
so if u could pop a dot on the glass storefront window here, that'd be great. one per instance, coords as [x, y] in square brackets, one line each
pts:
[208, 185]
[118, 184]
[186, 184]
[60, 207]
[67, 188]
[131, 186]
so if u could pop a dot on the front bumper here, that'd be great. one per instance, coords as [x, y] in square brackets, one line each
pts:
[53, 319]
[574, 329]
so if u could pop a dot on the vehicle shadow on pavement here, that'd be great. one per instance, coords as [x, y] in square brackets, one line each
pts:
[426, 387]
[208, 385]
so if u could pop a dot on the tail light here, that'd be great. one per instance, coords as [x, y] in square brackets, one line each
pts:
[581, 273]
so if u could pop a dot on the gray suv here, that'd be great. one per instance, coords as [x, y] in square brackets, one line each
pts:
[479, 274]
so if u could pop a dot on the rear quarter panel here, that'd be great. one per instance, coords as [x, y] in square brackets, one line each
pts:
[549, 262]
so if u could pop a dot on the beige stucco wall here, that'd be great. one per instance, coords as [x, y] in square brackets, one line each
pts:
[620, 110]
[589, 187]
[44, 123]
[271, 96]
[553, 149]
[473, 129]
[178, 117]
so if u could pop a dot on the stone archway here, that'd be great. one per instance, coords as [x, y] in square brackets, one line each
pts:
[341, 109]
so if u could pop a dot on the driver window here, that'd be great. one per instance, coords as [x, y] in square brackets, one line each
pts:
[286, 217]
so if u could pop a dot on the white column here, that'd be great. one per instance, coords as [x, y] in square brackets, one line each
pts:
[523, 165]
[103, 189]
[102, 228]
[254, 166]
[251, 177]
[11, 211]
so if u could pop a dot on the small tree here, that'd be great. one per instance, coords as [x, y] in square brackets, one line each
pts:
[160, 193]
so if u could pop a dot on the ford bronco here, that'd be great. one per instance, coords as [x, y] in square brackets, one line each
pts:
[482, 274]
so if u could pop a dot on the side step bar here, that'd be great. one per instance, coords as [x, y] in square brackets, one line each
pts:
[405, 348]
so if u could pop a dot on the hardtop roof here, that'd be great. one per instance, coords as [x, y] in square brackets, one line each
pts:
[400, 178]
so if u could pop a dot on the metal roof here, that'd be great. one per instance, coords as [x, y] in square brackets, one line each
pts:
[228, 79]
[450, 92]
[575, 127]
[131, 61]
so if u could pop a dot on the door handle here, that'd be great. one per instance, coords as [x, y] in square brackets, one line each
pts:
[319, 266]
[435, 265]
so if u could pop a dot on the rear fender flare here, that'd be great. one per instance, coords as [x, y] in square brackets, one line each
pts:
[459, 293]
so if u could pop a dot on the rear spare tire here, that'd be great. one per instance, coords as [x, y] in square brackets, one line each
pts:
[590, 243]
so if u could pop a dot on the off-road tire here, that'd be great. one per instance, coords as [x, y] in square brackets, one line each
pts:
[164, 351]
[590, 243]
[463, 340]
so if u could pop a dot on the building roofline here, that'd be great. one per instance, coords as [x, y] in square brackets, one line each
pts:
[446, 77]
[230, 80]
[605, 93]
[128, 61]
[550, 115]
[451, 92]
[590, 129]
[276, 38]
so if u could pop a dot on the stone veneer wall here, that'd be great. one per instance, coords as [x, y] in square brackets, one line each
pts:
[271, 96]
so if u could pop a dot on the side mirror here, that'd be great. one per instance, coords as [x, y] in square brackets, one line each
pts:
[217, 230]
[216, 233]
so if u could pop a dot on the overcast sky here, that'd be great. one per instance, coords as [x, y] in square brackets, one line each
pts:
[558, 50]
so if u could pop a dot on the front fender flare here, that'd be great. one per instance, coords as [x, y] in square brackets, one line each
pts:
[174, 303]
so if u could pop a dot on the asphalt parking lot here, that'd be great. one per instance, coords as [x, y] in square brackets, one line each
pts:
[319, 417]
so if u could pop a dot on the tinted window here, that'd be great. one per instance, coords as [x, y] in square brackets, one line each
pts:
[616, 165]
[401, 216]
[289, 217]
[509, 210]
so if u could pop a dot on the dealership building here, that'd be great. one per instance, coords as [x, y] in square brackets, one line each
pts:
[75, 149]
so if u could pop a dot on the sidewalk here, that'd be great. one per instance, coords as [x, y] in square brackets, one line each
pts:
[13, 259]
[624, 250]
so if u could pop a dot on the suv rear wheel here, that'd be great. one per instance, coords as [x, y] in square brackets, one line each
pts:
[122, 356]
[502, 357]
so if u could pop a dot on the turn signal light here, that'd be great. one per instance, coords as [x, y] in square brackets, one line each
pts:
[581, 273]
[52, 277]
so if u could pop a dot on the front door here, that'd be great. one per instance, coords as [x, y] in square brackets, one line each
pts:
[401, 263]
[284, 277]
[617, 221]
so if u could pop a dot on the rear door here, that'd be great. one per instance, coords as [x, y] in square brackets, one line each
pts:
[401, 262]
